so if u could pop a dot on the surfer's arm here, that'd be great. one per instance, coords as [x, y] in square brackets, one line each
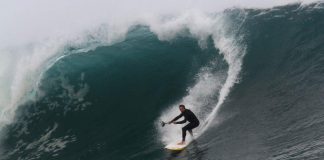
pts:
[180, 122]
[176, 118]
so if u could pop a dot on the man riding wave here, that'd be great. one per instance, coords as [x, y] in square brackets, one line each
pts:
[188, 116]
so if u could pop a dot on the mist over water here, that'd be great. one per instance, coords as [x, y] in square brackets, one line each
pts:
[56, 55]
[213, 85]
[36, 32]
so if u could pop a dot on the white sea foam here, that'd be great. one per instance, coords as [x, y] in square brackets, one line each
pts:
[20, 72]
[45, 144]
[34, 33]
[208, 84]
[22, 68]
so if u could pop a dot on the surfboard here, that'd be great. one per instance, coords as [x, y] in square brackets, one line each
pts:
[176, 147]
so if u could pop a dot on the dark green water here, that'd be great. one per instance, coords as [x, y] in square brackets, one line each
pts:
[104, 104]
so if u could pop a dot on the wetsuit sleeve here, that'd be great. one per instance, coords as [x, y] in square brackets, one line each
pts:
[180, 122]
[177, 117]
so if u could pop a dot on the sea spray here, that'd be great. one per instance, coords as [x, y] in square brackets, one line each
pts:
[201, 97]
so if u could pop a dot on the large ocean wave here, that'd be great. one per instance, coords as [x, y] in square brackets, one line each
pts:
[253, 77]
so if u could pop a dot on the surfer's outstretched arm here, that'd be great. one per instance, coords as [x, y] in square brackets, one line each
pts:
[181, 122]
[176, 118]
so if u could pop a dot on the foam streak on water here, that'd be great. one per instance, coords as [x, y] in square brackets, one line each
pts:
[34, 41]
[209, 83]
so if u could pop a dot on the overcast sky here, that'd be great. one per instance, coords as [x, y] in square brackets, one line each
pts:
[22, 21]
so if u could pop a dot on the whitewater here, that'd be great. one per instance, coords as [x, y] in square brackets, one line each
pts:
[37, 45]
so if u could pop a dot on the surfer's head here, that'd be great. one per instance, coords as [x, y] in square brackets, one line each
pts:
[182, 107]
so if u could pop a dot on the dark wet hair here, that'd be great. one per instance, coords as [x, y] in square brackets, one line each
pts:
[181, 105]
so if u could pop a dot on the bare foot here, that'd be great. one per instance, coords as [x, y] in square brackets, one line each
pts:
[181, 143]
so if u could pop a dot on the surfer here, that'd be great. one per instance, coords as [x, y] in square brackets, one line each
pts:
[188, 116]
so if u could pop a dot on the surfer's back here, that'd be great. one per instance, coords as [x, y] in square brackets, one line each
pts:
[190, 116]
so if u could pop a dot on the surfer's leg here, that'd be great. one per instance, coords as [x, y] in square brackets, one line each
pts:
[191, 126]
[190, 131]
[184, 130]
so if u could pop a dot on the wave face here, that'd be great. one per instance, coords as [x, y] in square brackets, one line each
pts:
[253, 76]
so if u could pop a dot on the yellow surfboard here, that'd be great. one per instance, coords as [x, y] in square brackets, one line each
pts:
[176, 147]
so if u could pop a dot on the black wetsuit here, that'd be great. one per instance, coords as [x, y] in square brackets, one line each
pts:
[188, 116]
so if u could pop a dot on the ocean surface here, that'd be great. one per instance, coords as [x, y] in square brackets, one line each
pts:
[254, 77]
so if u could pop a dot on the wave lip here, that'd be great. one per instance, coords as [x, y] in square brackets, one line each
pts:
[23, 69]
[225, 35]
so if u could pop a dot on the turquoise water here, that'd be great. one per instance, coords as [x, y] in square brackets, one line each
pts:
[105, 103]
